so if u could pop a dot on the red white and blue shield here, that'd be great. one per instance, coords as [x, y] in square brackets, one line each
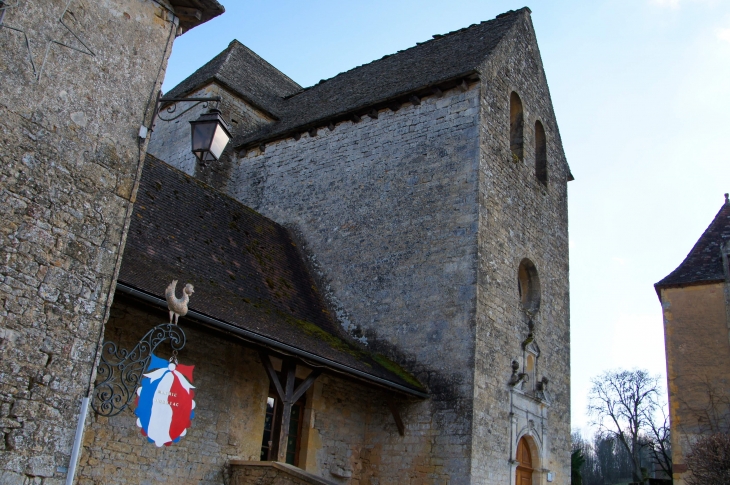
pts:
[164, 405]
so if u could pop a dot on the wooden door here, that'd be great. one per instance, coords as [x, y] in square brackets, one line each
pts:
[524, 469]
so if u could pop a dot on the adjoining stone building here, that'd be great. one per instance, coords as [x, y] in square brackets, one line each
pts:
[695, 300]
[380, 259]
[78, 79]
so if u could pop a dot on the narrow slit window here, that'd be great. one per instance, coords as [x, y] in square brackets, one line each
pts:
[540, 153]
[516, 127]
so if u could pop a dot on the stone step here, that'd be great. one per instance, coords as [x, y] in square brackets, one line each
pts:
[272, 473]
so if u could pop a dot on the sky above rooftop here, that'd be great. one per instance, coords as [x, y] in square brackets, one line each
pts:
[641, 89]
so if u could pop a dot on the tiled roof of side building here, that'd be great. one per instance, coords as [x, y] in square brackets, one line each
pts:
[241, 70]
[442, 59]
[703, 264]
[246, 270]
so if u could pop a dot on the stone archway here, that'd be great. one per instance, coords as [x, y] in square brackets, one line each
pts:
[525, 467]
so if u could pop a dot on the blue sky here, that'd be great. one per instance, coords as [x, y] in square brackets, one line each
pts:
[641, 89]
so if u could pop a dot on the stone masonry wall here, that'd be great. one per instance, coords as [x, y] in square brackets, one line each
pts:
[698, 353]
[231, 387]
[171, 139]
[387, 210]
[69, 157]
[519, 217]
[271, 473]
[351, 437]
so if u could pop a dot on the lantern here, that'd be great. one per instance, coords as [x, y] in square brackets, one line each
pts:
[210, 136]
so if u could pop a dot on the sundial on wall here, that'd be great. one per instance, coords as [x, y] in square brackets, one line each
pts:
[44, 24]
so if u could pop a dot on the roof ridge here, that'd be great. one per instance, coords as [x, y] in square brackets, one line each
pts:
[435, 37]
[700, 264]
[258, 57]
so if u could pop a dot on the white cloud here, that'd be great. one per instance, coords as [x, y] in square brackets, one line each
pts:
[620, 261]
[724, 35]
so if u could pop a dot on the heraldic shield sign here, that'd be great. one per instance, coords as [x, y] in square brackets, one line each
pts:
[162, 389]
[164, 404]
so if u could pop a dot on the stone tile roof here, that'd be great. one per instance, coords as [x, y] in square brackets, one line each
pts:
[241, 70]
[246, 269]
[703, 264]
[442, 59]
[208, 9]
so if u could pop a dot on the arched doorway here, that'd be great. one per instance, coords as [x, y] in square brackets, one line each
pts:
[524, 469]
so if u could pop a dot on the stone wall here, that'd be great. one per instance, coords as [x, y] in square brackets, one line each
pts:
[387, 210]
[351, 437]
[69, 158]
[231, 388]
[520, 217]
[171, 140]
[271, 473]
[698, 352]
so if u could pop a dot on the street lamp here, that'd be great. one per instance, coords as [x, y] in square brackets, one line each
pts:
[209, 135]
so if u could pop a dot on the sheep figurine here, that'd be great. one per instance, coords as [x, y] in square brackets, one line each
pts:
[178, 306]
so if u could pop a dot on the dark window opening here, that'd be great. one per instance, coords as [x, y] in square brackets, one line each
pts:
[540, 153]
[516, 127]
[528, 287]
[271, 427]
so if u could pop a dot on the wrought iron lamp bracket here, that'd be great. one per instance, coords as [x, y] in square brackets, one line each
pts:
[172, 105]
[121, 370]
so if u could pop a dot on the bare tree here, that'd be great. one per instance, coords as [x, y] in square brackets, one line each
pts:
[660, 444]
[709, 460]
[623, 404]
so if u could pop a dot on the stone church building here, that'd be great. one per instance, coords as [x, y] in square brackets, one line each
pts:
[379, 261]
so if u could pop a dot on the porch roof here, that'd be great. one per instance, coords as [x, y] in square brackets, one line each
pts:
[249, 276]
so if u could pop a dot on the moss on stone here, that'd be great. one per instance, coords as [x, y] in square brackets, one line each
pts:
[397, 370]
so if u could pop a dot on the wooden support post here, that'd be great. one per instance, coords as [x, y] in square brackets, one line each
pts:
[437, 92]
[288, 369]
[287, 397]
[464, 85]
[415, 100]
[297, 136]
[396, 416]
[355, 118]
[312, 132]
[373, 114]
[331, 126]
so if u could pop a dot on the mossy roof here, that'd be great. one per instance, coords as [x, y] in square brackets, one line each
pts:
[246, 269]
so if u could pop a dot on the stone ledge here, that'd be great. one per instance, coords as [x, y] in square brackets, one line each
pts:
[272, 472]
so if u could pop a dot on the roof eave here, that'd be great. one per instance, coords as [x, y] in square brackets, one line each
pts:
[471, 74]
[195, 12]
[267, 342]
[663, 286]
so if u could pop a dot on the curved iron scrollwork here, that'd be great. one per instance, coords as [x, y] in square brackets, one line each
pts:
[121, 370]
[172, 108]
